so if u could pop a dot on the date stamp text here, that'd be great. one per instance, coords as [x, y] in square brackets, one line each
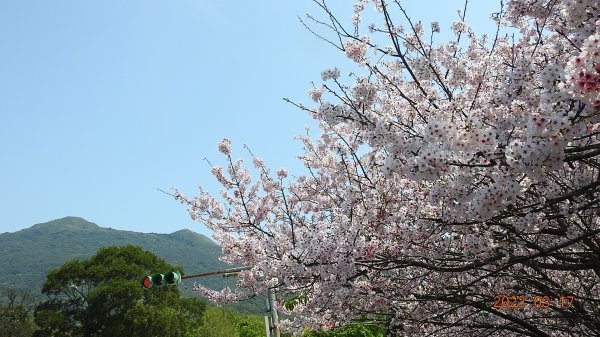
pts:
[537, 302]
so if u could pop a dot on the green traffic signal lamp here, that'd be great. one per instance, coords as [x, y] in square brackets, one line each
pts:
[158, 279]
[172, 277]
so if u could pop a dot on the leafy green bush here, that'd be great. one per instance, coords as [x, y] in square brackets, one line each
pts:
[353, 330]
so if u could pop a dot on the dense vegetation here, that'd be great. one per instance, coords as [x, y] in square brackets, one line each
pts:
[15, 313]
[30, 253]
[102, 296]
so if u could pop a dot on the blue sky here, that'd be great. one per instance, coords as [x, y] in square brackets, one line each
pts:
[103, 102]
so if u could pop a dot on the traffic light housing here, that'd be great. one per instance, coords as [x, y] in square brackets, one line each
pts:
[172, 277]
[160, 279]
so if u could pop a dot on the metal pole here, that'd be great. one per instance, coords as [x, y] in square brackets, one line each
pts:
[224, 271]
[274, 316]
[268, 325]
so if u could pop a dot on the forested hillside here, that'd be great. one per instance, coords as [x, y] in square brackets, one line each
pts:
[30, 253]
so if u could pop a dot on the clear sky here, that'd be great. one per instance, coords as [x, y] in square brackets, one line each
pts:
[103, 102]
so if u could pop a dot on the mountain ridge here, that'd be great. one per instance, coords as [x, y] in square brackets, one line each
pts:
[75, 222]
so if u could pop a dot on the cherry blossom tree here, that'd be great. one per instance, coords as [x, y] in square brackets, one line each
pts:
[453, 189]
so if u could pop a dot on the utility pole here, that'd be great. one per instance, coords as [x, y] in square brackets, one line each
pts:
[272, 323]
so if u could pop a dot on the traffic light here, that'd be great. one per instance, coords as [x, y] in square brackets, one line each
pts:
[158, 279]
[172, 277]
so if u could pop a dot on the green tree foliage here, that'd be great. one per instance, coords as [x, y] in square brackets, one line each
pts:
[251, 326]
[15, 313]
[352, 330]
[220, 322]
[15, 322]
[103, 296]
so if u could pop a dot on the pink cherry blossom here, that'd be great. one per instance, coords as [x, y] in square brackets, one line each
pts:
[446, 175]
[282, 173]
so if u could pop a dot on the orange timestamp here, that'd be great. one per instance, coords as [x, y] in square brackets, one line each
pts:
[537, 301]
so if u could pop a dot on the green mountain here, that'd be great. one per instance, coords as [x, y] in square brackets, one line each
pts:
[27, 255]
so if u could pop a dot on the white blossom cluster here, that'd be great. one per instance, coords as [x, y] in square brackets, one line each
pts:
[356, 49]
[444, 175]
[333, 73]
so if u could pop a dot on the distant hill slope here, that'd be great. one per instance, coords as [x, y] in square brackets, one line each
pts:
[28, 255]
